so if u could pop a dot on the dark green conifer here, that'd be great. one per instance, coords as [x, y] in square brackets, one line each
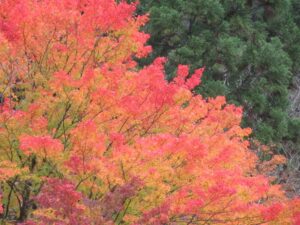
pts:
[250, 48]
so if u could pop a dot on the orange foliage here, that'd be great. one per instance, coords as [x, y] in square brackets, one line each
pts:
[91, 139]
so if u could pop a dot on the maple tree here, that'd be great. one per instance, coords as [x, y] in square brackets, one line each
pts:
[87, 138]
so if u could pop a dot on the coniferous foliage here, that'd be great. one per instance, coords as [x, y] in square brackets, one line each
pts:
[250, 48]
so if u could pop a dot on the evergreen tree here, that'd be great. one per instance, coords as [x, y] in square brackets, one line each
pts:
[250, 48]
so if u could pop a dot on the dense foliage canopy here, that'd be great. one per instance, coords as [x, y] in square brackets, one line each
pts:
[251, 50]
[87, 138]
